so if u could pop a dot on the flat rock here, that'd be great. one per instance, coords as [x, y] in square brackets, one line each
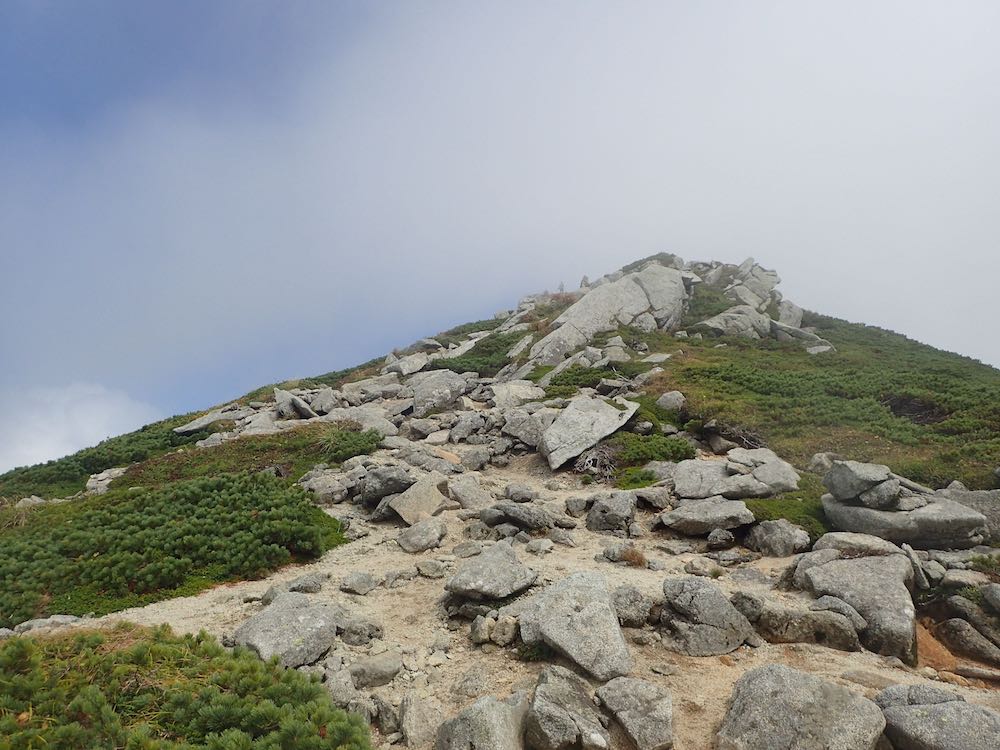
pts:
[591, 638]
[942, 725]
[581, 425]
[566, 595]
[779, 538]
[466, 490]
[780, 708]
[496, 573]
[702, 516]
[293, 628]
[856, 545]
[941, 524]
[422, 500]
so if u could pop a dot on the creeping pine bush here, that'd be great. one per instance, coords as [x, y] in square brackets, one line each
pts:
[150, 690]
[638, 449]
[487, 357]
[342, 444]
[126, 548]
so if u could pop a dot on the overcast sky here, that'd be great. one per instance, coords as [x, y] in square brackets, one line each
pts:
[197, 198]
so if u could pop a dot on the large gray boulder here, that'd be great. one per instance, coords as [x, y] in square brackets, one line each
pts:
[422, 500]
[488, 724]
[699, 517]
[927, 718]
[780, 708]
[613, 513]
[466, 490]
[562, 713]
[496, 573]
[986, 502]
[698, 619]
[698, 478]
[529, 426]
[515, 392]
[644, 710]
[437, 390]
[846, 480]
[591, 638]
[290, 406]
[566, 595]
[766, 467]
[777, 623]
[779, 538]
[940, 524]
[584, 422]
[383, 481]
[299, 630]
[878, 588]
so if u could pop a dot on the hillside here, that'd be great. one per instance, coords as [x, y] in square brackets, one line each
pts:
[669, 474]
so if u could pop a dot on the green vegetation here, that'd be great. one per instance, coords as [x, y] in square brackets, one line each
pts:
[929, 414]
[633, 450]
[342, 444]
[801, 506]
[650, 411]
[458, 334]
[664, 259]
[292, 452]
[972, 593]
[131, 547]
[633, 478]
[147, 689]
[487, 357]
[706, 302]
[67, 476]
[987, 564]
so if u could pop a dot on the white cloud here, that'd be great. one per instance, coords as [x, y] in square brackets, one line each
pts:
[45, 423]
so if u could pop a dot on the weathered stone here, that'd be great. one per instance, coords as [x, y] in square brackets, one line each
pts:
[856, 545]
[940, 724]
[467, 492]
[703, 516]
[941, 524]
[422, 500]
[778, 707]
[488, 724]
[780, 624]
[846, 480]
[699, 620]
[877, 588]
[644, 710]
[562, 714]
[672, 401]
[290, 406]
[496, 573]
[779, 538]
[613, 513]
[882, 496]
[439, 390]
[962, 638]
[294, 628]
[423, 535]
[372, 671]
[358, 582]
[383, 481]
[835, 604]
[581, 425]
[632, 606]
[591, 638]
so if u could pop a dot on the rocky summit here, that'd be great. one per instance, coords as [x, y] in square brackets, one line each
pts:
[669, 509]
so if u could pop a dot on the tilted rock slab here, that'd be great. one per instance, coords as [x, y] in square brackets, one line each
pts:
[580, 426]
[699, 620]
[496, 573]
[941, 524]
[644, 710]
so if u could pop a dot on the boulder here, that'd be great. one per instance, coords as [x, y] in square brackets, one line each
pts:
[777, 623]
[740, 320]
[697, 479]
[632, 606]
[932, 719]
[383, 481]
[524, 515]
[775, 706]
[290, 406]
[423, 535]
[614, 513]
[423, 499]
[439, 390]
[515, 392]
[589, 637]
[877, 587]
[962, 638]
[644, 710]
[293, 628]
[856, 545]
[496, 573]
[703, 516]
[940, 524]
[766, 467]
[672, 401]
[779, 538]
[488, 724]
[562, 713]
[846, 480]
[528, 427]
[584, 422]
[359, 582]
[986, 502]
[408, 365]
[372, 671]
[698, 620]
[566, 595]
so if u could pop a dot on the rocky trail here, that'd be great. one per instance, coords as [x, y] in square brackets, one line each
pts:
[496, 591]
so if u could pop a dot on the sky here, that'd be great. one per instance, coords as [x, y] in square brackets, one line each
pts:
[198, 198]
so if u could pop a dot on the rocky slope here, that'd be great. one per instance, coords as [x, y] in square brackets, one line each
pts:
[498, 590]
